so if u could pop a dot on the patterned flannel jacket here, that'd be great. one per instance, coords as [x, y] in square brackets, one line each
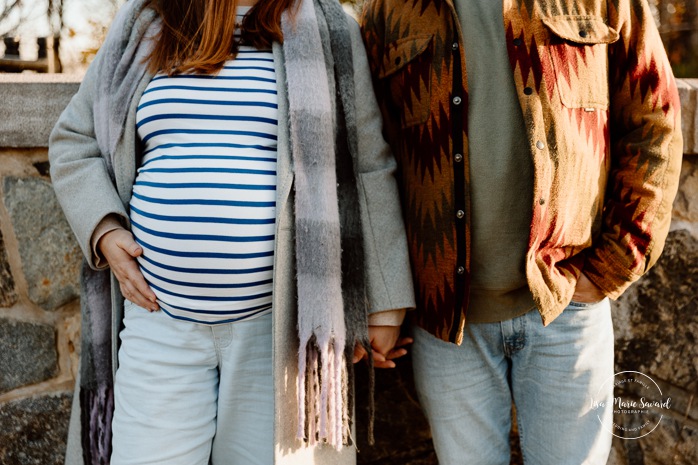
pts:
[602, 115]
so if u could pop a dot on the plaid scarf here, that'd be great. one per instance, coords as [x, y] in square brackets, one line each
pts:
[332, 303]
[329, 251]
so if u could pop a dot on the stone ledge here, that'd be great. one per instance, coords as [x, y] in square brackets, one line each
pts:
[29, 124]
[33, 103]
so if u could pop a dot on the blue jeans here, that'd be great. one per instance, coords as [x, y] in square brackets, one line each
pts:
[551, 373]
[191, 394]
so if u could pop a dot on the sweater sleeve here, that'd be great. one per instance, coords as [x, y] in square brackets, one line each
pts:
[387, 263]
[646, 150]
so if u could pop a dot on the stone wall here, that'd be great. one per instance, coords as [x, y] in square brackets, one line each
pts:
[39, 260]
[656, 320]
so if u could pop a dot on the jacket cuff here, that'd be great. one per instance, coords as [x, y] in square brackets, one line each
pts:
[109, 223]
[387, 318]
[611, 277]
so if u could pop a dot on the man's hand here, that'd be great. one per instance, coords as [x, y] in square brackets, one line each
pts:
[385, 344]
[587, 292]
[120, 251]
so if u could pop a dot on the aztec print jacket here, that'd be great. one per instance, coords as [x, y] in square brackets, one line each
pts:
[602, 115]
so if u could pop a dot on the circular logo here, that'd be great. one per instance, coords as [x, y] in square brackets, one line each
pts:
[636, 407]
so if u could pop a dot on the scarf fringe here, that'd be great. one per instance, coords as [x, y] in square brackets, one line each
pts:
[323, 390]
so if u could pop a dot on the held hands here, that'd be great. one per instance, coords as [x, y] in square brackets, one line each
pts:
[587, 292]
[386, 346]
[120, 250]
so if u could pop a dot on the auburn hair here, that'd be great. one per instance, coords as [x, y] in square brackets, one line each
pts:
[198, 35]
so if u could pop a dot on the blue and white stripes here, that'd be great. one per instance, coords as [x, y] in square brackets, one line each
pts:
[203, 205]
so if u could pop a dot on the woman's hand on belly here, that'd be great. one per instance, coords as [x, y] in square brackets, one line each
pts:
[120, 250]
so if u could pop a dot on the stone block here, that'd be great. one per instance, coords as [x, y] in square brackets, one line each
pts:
[8, 295]
[34, 430]
[27, 354]
[35, 102]
[48, 250]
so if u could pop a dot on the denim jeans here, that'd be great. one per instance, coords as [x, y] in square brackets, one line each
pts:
[552, 374]
[192, 394]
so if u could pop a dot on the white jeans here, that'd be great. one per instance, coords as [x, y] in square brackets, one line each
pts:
[551, 373]
[192, 394]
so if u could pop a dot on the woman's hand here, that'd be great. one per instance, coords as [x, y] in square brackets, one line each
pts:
[120, 251]
[386, 346]
[587, 292]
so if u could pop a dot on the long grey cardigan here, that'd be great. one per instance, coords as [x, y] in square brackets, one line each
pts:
[88, 193]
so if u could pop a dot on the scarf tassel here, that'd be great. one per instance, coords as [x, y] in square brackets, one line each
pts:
[323, 390]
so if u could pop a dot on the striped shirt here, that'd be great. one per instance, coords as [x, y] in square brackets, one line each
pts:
[204, 200]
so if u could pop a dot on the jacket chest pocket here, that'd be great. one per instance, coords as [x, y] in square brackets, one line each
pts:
[406, 77]
[579, 53]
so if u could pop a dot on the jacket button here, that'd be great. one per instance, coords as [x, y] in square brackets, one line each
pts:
[454, 46]
[460, 214]
[540, 145]
[582, 33]
[460, 270]
[541, 201]
[517, 42]
[528, 90]
[457, 100]
[458, 157]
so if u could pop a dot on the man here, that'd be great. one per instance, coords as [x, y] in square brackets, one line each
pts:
[539, 150]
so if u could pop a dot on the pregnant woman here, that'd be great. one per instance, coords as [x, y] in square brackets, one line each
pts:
[223, 170]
